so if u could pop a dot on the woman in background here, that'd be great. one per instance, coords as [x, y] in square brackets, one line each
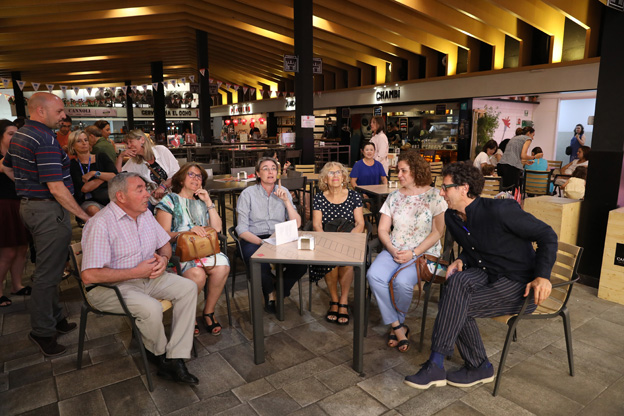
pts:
[577, 141]
[515, 156]
[380, 140]
[368, 171]
[483, 158]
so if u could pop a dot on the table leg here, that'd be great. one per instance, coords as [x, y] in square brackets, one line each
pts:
[222, 211]
[256, 306]
[280, 291]
[358, 315]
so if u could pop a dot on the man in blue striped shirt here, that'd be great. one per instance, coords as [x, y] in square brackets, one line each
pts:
[40, 168]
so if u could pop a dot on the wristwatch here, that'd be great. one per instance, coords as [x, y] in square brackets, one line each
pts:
[97, 174]
[413, 254]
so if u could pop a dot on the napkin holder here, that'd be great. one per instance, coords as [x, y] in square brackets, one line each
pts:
[305, 242]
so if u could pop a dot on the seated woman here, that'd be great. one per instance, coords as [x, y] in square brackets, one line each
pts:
[259, 208]
[416, 211]
[90, 174]
[368, 171]
[189, 207]
[484, 158]
[583, 160]
[333, 202]
[539, 163]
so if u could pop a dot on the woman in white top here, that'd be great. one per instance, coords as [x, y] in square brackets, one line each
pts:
[484, 158]
[155, 164]
[378, 126]
[583, 160]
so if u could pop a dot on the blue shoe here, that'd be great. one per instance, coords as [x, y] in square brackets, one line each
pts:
[429, 375]
[469, 376]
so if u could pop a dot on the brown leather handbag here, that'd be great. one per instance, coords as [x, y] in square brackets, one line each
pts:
[190, 246]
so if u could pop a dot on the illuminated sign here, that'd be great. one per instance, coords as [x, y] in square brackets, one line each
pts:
[240, 109]
[381, 95]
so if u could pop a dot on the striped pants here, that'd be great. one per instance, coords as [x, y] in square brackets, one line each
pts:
[469, 295]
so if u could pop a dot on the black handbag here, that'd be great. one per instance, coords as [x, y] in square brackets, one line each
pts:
[339, 225]
[569, 150]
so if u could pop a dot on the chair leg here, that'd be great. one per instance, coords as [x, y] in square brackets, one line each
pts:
[137, 335]
[427, 287]
[367, 303]
[233, 273]
[310, 296]
[84, 313]
[565, 315]
[300, 297]
[249, 300]
[229, 307]
[512, 329]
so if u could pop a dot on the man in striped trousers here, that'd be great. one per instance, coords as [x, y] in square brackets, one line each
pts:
[495, 271]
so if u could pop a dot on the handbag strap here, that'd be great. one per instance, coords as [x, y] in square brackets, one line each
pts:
[160, 179]
[394, 276]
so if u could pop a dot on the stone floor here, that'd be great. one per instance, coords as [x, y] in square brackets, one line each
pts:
[307, 369]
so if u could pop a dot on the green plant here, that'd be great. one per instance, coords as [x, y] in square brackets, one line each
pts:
[486, 126]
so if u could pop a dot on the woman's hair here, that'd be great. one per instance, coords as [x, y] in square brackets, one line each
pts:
[177, 181]
[528, 129]
[71, 141]
[503, 145]
[464, 173]
[419, 168]
[325, 172]
[487, 170]
[582, 129]
[4, 124]
[364, 144]
[536, 150]
[19, 122]
[519, 131]
[580, 172]
[101, 124]
[586, 151]
[381, 124]
[94, 130]
[148, 146]
[490, 144]
[260, 162]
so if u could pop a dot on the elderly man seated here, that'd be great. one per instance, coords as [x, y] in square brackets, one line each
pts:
[123, 244]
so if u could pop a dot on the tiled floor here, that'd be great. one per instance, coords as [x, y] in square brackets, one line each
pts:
[307, 369]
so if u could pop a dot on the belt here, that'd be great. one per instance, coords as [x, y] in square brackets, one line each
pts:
[37, 199]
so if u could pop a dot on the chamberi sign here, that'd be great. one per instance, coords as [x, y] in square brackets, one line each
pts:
[387, 94]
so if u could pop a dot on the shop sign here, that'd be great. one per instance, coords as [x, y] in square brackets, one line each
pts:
[394, 94]
[240, 109]
[619, 255]
[307, 122]
[291, 63]
[317, 65]
[169, 112]
[377, 111]
[90, 112]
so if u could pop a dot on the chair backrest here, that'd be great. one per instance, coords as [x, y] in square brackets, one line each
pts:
[429, 155]
[305, 168]
[248, 170]
[292, 153]
[294, 183]
[436, 168]
[537, 182]
[492, 186]
[554, 164]
[232, 232]
[291, 173]
[75, 255]
[564, 270]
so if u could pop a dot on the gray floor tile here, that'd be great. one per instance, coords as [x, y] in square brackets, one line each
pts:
[241, 358]
[215, 375]
[312, 410]
[307, 391]
[31, 374]
[229, 337]
[604, 335]
[339, 378]
[252, 390]
[609, 403]
[459, 409]
[430, 401]
[49, 410]
[15, 322]
[276, 402]
[482, 400]
[24, 361]
[68, 362]
[212, 406]
[352, 401]
[388, 388]
[299, 372]
[91, 403]
[240, 410]
[107, 352]
[283, 351]
[4, 381]
[129, 397]
[169, 396]
[13, 401]
[317, 338]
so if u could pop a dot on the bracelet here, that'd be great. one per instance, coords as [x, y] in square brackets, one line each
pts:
[211, 207]
[163, 187]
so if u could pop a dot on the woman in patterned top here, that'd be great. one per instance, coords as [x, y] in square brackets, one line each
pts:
[336, 201]
[416, 211]
[189, 208]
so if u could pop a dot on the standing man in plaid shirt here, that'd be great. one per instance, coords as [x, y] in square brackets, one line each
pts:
[40, 168]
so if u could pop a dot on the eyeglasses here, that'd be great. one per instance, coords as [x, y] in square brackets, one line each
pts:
[194, 175]
[269, 169]
[450, 185]
[334, 173]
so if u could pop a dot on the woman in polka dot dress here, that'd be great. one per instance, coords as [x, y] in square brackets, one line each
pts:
[336, 201]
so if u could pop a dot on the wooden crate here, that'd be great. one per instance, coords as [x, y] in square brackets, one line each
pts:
[611, 275]
[562, 214]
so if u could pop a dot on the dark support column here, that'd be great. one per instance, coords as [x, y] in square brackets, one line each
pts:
[160, 116]
[304, 78]
[20, 104]
[129, 108]
[205, 100]
[464, 130]
[605, 170]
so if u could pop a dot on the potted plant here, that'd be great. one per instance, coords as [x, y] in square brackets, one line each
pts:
[486, 126]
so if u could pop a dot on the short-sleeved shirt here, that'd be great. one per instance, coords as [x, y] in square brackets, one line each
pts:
[114, 240]
[104, 147]
[412, 218]
[332, 211]
[258, 212]
[165, 160]
[480, 159]
[367, 175]
[513, 151]
[36, 158]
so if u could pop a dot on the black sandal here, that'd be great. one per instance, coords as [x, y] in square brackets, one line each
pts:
[214, 325]
[331, 313]
[343, 315]
[25, 291]
[403, 342]
[6, 300]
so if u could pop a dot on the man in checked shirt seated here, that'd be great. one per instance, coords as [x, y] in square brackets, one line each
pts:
[124, 245]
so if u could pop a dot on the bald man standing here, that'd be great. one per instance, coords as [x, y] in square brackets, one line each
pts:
[40, 168]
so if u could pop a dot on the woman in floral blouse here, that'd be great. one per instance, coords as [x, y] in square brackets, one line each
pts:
[416, 213]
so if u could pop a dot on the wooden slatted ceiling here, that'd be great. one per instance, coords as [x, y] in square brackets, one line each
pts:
[105, 42]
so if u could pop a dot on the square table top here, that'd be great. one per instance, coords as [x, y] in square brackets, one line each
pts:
[382, 190]
[340, 249]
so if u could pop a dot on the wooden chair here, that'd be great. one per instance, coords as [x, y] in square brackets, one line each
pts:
[436, 168]
[305, 168]
[75, 254]
[554, 164]
[492, 186]
[293, 155]
[298, 186]
[429, 155]
[536, 182]
[563, 277]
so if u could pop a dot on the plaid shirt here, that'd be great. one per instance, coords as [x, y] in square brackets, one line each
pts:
[114, 240]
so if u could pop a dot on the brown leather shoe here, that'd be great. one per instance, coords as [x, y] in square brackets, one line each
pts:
[48, 345]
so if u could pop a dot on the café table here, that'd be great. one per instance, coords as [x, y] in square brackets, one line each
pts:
[379, 192]
[336, 249]
[221, 185]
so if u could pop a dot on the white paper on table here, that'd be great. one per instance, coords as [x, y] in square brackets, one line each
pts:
[286, 232]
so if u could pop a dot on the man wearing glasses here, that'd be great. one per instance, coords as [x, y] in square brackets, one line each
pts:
[491, 277]
[62, 135]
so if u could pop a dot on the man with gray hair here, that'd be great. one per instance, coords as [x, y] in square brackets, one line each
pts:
[124, 245]
[40, 168]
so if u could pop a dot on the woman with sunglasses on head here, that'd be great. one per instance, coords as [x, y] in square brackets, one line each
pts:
[411, 224]
[258, 209]
[335, 201]
[189, 208]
